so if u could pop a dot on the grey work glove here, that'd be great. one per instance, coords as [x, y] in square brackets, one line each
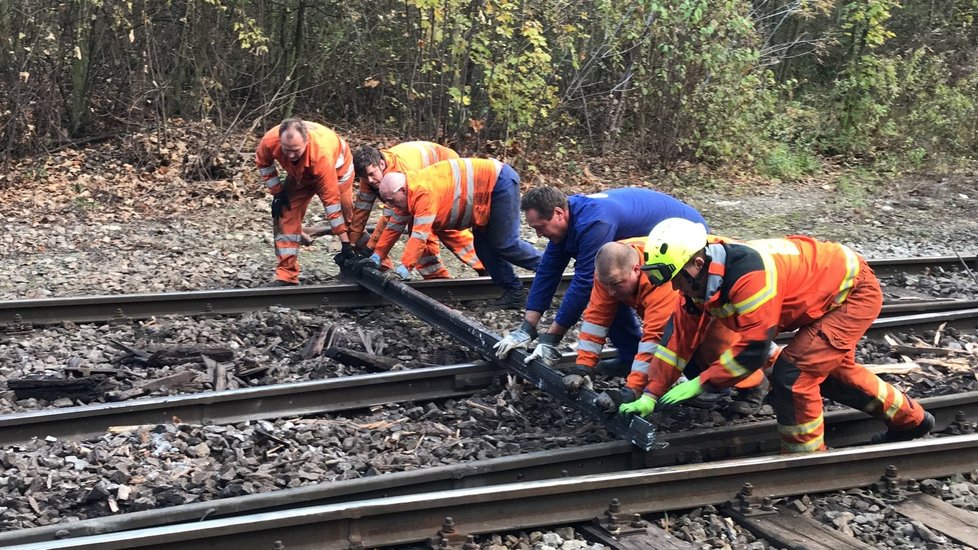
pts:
[400, 274]
[577, 378]
[610, 400]
[518, 338]
[546, 351]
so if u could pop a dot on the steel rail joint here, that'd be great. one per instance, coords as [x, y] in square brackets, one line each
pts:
[480, 338]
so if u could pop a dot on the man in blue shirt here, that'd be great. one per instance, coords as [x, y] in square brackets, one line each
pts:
[577, 226]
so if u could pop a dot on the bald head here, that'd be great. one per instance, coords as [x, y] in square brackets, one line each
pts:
[618, 268]
[393, 190]
[613, 259]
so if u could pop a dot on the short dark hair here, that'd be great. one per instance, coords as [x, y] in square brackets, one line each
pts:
[364, 156]
[294, 123]
[544, 199]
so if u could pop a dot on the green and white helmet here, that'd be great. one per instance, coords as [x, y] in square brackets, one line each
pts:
[669, 246]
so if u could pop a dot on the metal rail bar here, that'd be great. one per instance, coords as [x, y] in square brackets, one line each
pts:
[323, 396]
[844, 428]
[481, 339]
[890, 266]
[226, 407]
[402, 519]
[265, 402]
[88, 309]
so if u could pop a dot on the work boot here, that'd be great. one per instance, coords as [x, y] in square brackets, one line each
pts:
[706, 400]
[280, 282]
[612, 367]
[750, 400]
[893, 436]
[512, 298]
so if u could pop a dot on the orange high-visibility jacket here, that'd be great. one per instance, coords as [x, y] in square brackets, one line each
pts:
[757, 289]
[452, 194]
[326, 164]
[653, 304]
[404, 157]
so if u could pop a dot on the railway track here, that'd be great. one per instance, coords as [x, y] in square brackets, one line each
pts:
[396, 509]
[562, 486]
[358, 392]
[348, 393]
[17, 314]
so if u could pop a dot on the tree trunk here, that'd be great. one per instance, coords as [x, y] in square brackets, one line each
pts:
[295, 57]
[80, 58]
[7, 34]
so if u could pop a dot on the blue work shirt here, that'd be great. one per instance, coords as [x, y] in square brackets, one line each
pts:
[596, 219]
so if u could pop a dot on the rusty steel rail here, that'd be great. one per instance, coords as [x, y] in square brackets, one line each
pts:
[885, 267]
[403, 519]
[844, 428]
[125, 307]
[18, 314]
[481, 339]
[275, 401]
[324, 396]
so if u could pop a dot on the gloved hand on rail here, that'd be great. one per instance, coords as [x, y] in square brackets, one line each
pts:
[643, 406]
[609, 401]
[517, 338]
[546, 351]
[364, 252]
[370, 261]
[400, 273]
[681, 392]
[577, 378]
[346, 254]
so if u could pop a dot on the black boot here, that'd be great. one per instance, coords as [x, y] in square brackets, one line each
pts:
[750, 400]
[612, 367]
[512, 298]
[893, 436]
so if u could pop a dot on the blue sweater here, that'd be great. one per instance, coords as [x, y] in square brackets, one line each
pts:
[594, 220]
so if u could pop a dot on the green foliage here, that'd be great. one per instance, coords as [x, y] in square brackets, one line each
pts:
[765, 85]
[856, 185]
[788, 164]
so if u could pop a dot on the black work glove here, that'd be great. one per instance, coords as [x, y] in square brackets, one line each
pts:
[346, 255]
[280, 203]
[358, 265]
[610, 400]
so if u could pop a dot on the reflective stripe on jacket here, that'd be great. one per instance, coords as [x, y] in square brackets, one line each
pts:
[757, 289]
[654, 305]
[597, 219]
[326, 164]
[403, 157]
[452, 194]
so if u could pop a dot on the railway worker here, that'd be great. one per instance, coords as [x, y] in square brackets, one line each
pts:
[824, 290]
[618, 282]
[481, 194]
[371, 165]
[577, 226]
[317, 161]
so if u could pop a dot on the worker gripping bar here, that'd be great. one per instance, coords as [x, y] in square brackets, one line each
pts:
[480, 338]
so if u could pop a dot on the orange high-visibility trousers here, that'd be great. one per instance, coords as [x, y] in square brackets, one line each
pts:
[288, 228]
[820, 362]
[712, 339]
